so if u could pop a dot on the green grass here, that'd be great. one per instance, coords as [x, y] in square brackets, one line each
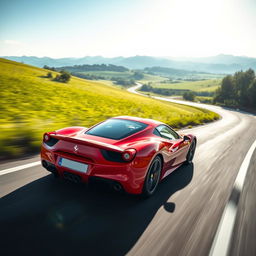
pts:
[31, 104]
[204, 99]
[151, 78]
[198, 86]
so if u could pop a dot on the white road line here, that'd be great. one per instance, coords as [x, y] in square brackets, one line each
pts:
[222, 239]
[19, 168]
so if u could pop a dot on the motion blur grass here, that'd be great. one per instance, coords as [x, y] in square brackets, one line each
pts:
[32, 104]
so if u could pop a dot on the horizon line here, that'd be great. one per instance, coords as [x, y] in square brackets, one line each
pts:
[130, 56]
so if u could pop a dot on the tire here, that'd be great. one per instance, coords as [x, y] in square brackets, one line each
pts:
[191, 153]
[152, 179]
[55, 175]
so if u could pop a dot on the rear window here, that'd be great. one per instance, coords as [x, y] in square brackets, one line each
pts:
[117, 129]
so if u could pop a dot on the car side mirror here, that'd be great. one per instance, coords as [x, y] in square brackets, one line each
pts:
[186, 138]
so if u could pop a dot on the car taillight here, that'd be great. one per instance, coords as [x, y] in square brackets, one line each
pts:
[46, 137]
[49, 140]
[128, 154]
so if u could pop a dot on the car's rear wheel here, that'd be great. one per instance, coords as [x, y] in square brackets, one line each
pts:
[191, 152]
[55, 174]
[153, 176]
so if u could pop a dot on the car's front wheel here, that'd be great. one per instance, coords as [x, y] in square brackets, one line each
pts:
[153, 177]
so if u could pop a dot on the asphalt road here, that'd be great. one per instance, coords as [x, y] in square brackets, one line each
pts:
[40, 215]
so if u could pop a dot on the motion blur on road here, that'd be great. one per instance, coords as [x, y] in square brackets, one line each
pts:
[41, 215]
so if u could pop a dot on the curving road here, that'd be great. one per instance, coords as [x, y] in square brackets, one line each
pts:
[43, 216]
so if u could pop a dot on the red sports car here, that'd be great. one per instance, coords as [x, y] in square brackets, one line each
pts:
[131, 153]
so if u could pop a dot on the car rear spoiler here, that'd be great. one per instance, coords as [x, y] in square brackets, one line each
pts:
[88, 142]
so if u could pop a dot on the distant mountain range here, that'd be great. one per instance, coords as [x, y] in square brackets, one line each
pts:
[222, 64]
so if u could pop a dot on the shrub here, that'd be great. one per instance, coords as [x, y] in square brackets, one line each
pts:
[189, 96]
[64, 77]
[49, 75]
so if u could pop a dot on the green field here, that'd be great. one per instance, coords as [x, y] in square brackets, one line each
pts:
[32, 104]
[198, 86]
[151, 78]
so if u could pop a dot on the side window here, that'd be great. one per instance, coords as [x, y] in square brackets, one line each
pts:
[167, 132]
[156, 132]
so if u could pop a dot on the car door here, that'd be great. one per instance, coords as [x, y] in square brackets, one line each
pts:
[175, 148]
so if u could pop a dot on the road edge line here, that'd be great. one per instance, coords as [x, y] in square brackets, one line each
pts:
[222, 239]
[19, 168]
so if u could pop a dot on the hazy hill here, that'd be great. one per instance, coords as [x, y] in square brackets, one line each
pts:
[221, 59]
[170, 71]
[216, 64]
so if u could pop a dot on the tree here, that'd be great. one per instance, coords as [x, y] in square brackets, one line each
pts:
[64, 77]
[242, 81]
[146, 88]
[252, 94]
[57, 78]
[138, 75]
[227, 92]
[228, 88]
[49, 75]
[238, 90]
[189, 96]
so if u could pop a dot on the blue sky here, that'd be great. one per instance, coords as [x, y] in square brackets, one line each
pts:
[191, 28]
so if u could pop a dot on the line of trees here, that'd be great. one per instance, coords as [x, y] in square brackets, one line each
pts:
[162, 91]
[135, 76]
[238, 90]
[89, 76]
[123, 82]
[94, 67]
[169, 71]
[49, 68]
[62, 77]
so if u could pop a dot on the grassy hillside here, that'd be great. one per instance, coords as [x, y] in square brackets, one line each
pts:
[31, 104]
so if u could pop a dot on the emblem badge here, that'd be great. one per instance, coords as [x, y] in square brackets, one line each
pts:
[75, 148]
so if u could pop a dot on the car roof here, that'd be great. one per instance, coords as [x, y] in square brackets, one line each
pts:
[148, 121]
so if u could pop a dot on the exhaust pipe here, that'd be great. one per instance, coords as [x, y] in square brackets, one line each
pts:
[72, 177]
[50, 167]
[44, 164]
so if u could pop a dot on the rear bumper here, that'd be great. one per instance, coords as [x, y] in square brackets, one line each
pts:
[129, 177]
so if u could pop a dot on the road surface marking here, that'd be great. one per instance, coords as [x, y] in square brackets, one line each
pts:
[18, 168]
[222, 239]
